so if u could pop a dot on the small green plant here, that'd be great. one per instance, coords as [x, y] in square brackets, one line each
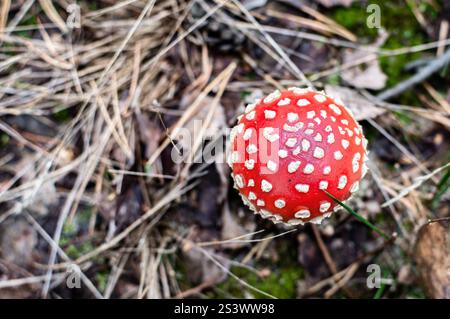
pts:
[442, 187]
[359, 217]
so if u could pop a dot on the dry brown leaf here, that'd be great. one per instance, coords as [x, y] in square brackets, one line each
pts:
[366, 75]
[149, 134]
[432, 254]
[361, 107]
[194, 124]
[18, 240]
[201, 269]
[231, 228]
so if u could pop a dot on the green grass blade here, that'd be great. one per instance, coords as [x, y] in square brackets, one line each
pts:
[442, 188]
[379, 292]
[359, 217]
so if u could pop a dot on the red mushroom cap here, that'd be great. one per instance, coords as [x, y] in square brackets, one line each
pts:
[291, 146]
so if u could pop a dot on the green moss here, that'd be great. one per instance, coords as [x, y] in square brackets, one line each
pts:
[334, 79]
[91, 5]
[416, 293]
[30, 20]
[354, 19]
[244, 94]
[394, 65]
[408, 225]
[76, 251]
[370, 133]
[102, 279]
[148, 169]
[4, 139]
[71, 233]
[403, 117]
[403, 29]
[62, 116]
[84, 215]
[281, 283]
[71, 228]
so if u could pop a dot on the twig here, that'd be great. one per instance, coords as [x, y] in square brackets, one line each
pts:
[329, 259]
[421, 75]
[360, 218]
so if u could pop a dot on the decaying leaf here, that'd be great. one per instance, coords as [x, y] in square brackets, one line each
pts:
[209, 196]
[310, 259]
[366, 75]
[432, 254]
[232, 228]
[149, 134]
[361, 107]
[200, 268]
[194, 125]
[18, 240]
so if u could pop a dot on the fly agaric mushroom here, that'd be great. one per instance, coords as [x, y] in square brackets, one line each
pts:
[290, 147]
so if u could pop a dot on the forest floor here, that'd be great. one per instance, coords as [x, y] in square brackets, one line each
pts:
[92, 95]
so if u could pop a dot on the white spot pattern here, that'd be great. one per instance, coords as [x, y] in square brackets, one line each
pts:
[269, 114]
[302, 188]
[282, 153]
[268, 133]
[251, 148]
[284, 102]
[266, 186]
[293, 166]
[324, 206]
[330, 138]
[239, 181]
[318, 152]
[303, 213]
[291, 142]
[342, 182]
[345, 143]
[292, 117]
[323, 185]
[250, 116]
[338, 155]
[247, 134]
[320, 98]
[335, 109]
[249, 164]
[279, 203]
[305, 145]
[272, 97]
[354, 188]
[308, 169]
[272, 166]
[250, 107]
[318, 137]
[303, 102]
